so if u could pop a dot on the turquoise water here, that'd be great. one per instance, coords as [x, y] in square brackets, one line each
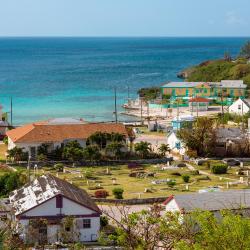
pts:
[75, 77]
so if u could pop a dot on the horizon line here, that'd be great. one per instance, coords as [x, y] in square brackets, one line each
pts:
[122, 36]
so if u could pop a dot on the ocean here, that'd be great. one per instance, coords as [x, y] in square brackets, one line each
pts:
[75, 77]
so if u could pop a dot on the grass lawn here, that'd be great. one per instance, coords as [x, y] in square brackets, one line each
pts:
[134, 186]
[145, 131]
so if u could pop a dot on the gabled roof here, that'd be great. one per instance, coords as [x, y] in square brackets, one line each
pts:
[43, 189]
[224, 134]
[45, 132]
[212, 201]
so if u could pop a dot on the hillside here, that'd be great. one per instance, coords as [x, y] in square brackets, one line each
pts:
[217, 70]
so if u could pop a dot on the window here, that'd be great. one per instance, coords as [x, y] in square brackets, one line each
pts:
[239, 106]
[86, 223]
[59, 201]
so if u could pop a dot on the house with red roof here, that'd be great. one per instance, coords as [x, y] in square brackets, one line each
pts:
[55, 134]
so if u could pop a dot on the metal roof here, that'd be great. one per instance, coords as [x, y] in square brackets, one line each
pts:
[44, 188]
[213, 201]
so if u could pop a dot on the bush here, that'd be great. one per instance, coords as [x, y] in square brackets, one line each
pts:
[101, 194]
[171, 183]
[219, 169]
[58, 167]
[104, 221]
[185, 178]
[118, 193]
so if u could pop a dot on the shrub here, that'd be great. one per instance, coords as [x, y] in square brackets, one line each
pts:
[219, 169]
[171, 183]
[58, 167]
[118, 193]
[104, 221]
[185, 178]
[101, 193]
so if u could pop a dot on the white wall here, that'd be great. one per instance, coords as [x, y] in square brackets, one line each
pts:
[238, 106]
[171, 140]
[69, 208]
[172, 206]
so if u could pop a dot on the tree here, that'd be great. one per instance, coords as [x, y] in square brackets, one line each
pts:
[16, 154]
[163, 149]
[115, 148]
[11, 181]
[145, 230]
[245, 50]
[201, 138]
[198, 230]
[143, 148]
[92, 153]
[118, 193]
[231, 231]
[73, 151]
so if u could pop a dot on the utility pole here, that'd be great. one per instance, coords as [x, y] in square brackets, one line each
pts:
[128, 92]
[11, 112]
[29, 158]
[115, 106]
[141, 110]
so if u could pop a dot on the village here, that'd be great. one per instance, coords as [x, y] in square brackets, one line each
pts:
[66, 181]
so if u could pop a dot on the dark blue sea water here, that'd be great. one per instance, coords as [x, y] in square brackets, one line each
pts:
[75, 77]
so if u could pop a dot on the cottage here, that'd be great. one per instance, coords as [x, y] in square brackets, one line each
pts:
[182, 121]
[41, 208]
[55, 134]
[209, 201]
[175, 144]
[240, 107]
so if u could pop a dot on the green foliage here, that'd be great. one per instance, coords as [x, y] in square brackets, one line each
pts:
[149, 93]
[245, 50]
[201, 138]
[43, 149]
[185, 178]
[218, 70]
[104, 221]
[5, 140]
[171, 183]
[59, 167]
[163, 149]
[17, 154]
[73, 151]
[92, 153]
[219, 168]
[118, 193]
[230, 232]
[10, 182]
[143, 148]
[115, 148]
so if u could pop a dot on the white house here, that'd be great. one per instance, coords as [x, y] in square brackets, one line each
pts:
[42, 208]
[209, 201]
[175, 144]
[240, 107]
[54, 134]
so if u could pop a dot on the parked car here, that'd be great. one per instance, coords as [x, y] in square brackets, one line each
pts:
[232, 162]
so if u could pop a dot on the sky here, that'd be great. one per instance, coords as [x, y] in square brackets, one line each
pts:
[124, 18]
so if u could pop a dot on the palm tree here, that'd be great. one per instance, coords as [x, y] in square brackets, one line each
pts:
[143, 148]
[163, 149]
